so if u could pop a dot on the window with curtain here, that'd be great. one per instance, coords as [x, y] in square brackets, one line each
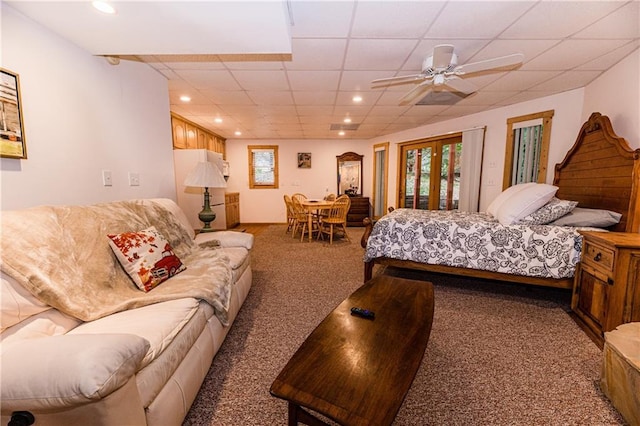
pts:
[527, 148]
[263, 166]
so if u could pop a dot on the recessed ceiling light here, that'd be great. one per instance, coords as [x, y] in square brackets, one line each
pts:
[238, 133]
[185, 98]
[347, 120]
[218, 120]
[104, 7]
[357, 98]
[341, 132]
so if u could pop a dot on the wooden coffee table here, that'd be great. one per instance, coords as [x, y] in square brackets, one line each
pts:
[357, 371]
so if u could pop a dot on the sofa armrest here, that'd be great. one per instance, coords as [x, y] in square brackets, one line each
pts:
[65, 371]
[227, 238]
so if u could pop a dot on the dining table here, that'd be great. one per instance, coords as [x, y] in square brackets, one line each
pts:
[314, 206]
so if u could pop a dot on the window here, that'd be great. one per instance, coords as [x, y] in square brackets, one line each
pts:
[263, 166]
[430, 173]
[527, 148]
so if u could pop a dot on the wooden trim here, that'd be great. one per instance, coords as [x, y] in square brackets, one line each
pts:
[252, 184]
[565, 283]
[546, 117]
[385, 190]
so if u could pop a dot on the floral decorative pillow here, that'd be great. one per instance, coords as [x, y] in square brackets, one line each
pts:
[146, 256]
[551, 211]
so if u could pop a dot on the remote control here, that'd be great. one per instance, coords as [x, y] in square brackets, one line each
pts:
[364, 313]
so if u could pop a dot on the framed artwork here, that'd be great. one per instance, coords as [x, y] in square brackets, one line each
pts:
[304, 160]
[12, 143]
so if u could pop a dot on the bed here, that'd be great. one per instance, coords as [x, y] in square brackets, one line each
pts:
[600, 171]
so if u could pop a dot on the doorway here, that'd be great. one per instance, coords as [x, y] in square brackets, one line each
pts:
[430, 173]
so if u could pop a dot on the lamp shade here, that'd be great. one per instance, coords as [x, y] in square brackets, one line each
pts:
[205, 175]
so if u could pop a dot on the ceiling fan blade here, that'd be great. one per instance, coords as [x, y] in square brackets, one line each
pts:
[460, 85]
[502, 61]
[442, 56]
[415, 92]
[404, 79]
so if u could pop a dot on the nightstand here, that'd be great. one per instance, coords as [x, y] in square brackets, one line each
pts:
[606, 288]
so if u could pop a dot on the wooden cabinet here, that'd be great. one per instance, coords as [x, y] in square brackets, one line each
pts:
[606, 289]
[179, 133]
[187, 135]
[232, 208]
[360, 208]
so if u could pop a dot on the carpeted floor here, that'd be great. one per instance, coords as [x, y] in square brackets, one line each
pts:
[499, 354]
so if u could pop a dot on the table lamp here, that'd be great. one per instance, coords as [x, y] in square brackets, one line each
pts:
[206, 175]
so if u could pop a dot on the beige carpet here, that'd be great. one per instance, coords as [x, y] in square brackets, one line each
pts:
[498, 354]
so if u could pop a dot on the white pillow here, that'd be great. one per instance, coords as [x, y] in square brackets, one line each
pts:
[525, 202]
[504, 196]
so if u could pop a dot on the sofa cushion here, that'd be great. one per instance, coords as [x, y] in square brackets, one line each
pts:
[158, 324]
[62, 371]
[146, 256]
[239, 260]
[16, 302]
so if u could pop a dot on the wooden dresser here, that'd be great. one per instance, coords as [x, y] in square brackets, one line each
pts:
[606, 290]
[232, 208]
[360, 208]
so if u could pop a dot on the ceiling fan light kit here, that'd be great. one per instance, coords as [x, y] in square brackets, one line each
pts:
[441, 71]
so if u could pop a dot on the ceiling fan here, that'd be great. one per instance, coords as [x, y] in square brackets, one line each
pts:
[441, 70]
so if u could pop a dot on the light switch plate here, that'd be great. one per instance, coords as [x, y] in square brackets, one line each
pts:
[106, 178]
[134, 179]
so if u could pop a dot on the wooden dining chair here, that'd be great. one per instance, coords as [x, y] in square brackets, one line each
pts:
[298, 196]
[302, 220]
[291, 215]
[336, 219]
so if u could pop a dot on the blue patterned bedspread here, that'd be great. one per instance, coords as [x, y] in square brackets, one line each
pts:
[475, 241]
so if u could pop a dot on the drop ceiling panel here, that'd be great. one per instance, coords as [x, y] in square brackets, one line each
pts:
[373, 54]
[200, 79]
[622, 23]
[483, 22]
[572, 53]
[314, 80]
[314, 54]
[373, 18]
[559, 19]
[261, 79]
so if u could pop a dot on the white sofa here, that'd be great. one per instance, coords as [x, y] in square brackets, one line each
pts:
[142, 364]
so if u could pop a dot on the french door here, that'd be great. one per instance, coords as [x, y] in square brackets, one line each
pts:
[430, 173]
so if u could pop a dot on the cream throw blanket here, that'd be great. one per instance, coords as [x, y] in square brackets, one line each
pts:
[62, 256]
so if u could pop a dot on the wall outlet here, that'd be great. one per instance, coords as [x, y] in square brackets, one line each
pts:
[106, 178]
[134, 179]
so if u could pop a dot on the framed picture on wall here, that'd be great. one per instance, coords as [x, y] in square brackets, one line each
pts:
[12, 143]
[304, 160]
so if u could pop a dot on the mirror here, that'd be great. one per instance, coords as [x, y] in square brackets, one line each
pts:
[350, 174]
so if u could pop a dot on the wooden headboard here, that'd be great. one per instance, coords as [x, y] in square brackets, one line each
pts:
[601, 171]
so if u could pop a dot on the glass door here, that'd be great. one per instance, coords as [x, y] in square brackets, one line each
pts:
[430, 174]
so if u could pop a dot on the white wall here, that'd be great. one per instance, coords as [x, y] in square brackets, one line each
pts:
[267, 205]
[82, 115]
[616, 94]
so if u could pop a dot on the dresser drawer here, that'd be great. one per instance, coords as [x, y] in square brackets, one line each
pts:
[232, 197]
[598, 257]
